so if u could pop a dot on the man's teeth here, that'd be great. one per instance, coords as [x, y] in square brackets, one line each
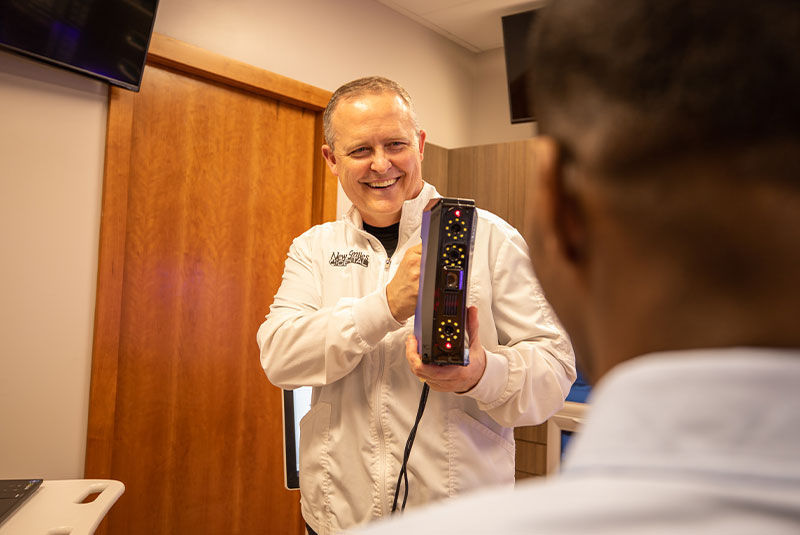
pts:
[383, 183]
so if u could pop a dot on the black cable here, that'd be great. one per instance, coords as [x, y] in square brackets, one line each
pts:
[403, 476]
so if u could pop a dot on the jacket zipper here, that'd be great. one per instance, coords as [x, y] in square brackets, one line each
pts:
[379, 409]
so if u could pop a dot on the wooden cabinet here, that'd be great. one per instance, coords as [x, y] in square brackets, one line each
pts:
[496, 176]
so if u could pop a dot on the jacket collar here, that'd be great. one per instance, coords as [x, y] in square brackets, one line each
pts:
[410, 216]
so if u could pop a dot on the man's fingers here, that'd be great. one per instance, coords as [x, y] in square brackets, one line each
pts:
[411, 351]
[442, 378]
[413, 252]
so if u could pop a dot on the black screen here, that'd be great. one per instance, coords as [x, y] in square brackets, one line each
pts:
[517, 30]
[296, 404]
[106, 39]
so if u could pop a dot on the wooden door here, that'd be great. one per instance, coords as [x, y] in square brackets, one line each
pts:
[206, 185]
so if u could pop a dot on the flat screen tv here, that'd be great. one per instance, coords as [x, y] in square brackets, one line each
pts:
[296, 403]
[105, 39]
[517, 30]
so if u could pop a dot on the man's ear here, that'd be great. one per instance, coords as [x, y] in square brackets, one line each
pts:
[330, 158]
[560, 212]
[421, 144]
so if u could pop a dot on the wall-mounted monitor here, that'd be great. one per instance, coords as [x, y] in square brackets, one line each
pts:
[296, 404]
[105, 39]
[517, 30]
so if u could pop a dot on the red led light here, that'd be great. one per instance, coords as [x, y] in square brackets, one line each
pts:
[448, 345]
[457, 213]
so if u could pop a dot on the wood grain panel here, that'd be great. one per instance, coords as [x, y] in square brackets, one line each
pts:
[521, 167]
[434, 167]
[531, 453]
[520, 475]
[205, 187]
[496, 176]
[532, 433]
[108, 309]
[491, 182]
[531, 458]
[209, 221]
[461, 175]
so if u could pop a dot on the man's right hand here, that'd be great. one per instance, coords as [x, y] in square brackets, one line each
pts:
[401, 292]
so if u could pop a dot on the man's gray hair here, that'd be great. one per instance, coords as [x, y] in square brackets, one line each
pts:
[361, 86]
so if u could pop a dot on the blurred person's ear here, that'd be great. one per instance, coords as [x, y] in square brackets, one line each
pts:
[558, 234]
[558, 217]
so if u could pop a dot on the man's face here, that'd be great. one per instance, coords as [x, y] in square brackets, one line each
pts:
[377, 155]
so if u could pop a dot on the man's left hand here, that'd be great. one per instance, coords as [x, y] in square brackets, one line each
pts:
[451, 378]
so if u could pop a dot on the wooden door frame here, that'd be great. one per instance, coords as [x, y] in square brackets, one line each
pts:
[187, 59]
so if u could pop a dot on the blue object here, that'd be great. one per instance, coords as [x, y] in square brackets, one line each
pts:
[578, 393]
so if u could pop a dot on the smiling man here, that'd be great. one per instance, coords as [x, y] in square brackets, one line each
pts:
[344, 313]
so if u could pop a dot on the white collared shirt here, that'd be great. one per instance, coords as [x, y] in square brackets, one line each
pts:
[683, 442]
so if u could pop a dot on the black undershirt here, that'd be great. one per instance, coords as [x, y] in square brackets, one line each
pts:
[386, 235]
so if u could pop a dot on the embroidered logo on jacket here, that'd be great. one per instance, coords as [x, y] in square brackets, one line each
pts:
[352, 257]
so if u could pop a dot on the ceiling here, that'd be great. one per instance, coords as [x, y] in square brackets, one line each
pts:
[473, 24]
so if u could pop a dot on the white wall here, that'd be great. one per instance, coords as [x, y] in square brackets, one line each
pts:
[52, 136]
[491, 122]
[327, 43]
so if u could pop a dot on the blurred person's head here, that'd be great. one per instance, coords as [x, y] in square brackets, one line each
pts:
[667, 195]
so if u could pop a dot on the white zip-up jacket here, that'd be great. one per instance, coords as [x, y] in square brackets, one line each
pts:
[330, 327]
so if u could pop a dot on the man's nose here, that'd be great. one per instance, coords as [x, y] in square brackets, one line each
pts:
[380, 162]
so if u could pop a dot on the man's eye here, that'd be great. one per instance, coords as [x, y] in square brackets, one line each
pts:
[396, 145]
[361, 151]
